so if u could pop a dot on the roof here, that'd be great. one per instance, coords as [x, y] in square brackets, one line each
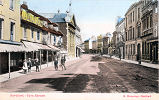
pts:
[58, 17]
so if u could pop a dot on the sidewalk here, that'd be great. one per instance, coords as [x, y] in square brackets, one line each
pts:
[5, 77]
[156, 66]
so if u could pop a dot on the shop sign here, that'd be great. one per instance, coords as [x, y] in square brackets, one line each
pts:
[31, 18]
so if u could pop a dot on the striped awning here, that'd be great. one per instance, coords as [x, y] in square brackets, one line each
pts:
[11, 48]
[53, 48]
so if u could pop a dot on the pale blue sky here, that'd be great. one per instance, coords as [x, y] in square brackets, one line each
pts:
[94, 17]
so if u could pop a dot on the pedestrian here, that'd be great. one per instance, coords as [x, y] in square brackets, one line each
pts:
[29, 65]
[63, 59]
[37, 65]
[25, 67]
[56, 62]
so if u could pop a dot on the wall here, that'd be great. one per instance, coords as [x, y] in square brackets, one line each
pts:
[10, 16]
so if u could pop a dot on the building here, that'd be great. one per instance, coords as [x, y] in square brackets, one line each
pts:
[67, 25]
[78, 40]
[86, 46]
[149, 34]
[120, 37]
[100, 44]
[94, 47]
[113, 43]
[131, 20]
[105, 44]
[37, 33]
[10, 44]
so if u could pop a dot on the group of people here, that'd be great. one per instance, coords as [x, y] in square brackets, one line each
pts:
[30, 63]
[61, 61]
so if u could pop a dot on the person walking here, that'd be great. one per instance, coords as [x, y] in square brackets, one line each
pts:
[56, 62]
[63, 59]
[25, 67]
[37, 65]
[29, 65]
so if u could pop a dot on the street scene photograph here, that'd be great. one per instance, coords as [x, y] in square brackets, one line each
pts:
[79, 46]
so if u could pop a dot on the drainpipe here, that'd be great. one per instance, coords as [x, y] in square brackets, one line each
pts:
[9, 64]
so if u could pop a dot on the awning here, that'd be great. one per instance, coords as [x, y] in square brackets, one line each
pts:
[11, 48]
[80, 49]
[44, 47]
[54, 48]
[31, 46]
[63, 51]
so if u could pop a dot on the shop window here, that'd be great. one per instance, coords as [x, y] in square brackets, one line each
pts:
[38, 35]
[11, 4]
[1, 20]
[12, 31]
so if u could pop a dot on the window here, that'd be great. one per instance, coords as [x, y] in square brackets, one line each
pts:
[133, 31]
[0, 2]
[151, 21]
[54, 39]
[1, 20]
[11, 4]
[133, 16]
[32, 33]
[138, 13]
[12, 31]
[134, 49]
[38, 35]
[25, 32]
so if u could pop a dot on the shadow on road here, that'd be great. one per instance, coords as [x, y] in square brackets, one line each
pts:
[65, 84]
[96, 58]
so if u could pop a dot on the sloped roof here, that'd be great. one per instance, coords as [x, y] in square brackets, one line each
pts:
[58, 17]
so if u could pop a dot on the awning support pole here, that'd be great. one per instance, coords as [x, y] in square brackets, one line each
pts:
[40, 59]
[33, 54]
[9, 64]
[47, 58]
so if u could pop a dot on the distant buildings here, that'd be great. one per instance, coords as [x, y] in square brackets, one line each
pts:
[135, 36]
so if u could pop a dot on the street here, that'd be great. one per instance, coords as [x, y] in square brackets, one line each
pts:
[89, 74]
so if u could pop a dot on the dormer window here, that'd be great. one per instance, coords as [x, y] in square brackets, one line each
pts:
[45, 24]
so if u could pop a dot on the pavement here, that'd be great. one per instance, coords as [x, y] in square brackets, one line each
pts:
[15, 74]
[156, 66]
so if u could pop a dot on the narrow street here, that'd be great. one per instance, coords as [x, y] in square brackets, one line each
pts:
[89, 74]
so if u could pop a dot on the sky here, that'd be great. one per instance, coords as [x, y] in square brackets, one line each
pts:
[94, 17]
